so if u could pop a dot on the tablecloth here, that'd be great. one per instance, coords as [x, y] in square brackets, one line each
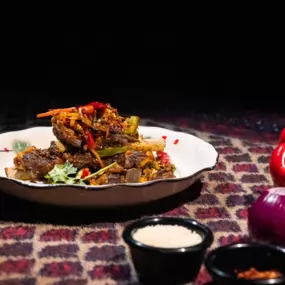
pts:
[47, 245]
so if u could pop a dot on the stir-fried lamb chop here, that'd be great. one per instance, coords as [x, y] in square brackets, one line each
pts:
[66, 135]
[35, 163]
[82, 160]
[119, 140]
[127, 160]
[76, 137]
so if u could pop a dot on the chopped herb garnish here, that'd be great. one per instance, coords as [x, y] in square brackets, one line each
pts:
[63, 173]
[66, 173]
[19, 146]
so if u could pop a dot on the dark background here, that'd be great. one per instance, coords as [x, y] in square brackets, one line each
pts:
[147, 73]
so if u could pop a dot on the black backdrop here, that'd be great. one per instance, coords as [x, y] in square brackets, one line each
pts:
[168, 96]
[142, 73]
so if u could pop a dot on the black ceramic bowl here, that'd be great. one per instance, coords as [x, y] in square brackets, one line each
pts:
[164, 265]
[223, 261]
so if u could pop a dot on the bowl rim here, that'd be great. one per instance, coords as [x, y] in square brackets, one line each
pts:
[215, 272]
[186, 222]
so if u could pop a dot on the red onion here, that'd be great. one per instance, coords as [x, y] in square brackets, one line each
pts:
[266, 217]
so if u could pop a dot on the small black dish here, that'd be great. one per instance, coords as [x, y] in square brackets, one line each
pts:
[156, 265]
[222, 262]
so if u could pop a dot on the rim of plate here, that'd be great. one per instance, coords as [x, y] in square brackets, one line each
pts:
[103, 187]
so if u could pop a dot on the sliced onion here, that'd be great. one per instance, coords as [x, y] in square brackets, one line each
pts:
[266, 217]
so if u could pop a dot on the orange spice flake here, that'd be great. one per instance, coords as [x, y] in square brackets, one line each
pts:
[252, 274]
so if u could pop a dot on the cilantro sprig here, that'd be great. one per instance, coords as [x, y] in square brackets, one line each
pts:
[63, 173]
[68, 174]
[19, 145]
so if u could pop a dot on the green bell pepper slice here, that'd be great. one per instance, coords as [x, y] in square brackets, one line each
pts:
[112, 151]
[132, 125]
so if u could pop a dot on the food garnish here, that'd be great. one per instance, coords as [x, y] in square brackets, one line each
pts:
[253, 274]
[95, 146]
[19, 146]
[63, 173]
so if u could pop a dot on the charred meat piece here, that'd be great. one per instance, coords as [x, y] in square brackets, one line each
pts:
[133, 175]
[82, 160]
[163, 174]
[117, 169]
[65, 134]
[119, 140]
[119, 158]
[114, 178]
[36, 162]
[56, 148]
[134, 158]
[130, 159]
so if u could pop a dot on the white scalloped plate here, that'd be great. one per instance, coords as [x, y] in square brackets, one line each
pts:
[191, 155]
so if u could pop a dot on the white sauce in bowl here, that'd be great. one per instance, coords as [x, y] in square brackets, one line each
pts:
[167, 236]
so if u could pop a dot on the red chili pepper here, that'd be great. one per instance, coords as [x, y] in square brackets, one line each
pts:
[163, 157]
[164, 137]
[85, 173]
[88, 109]
[95, 105]
[90, 140]
[176, 141]
[98, 105]
[277, 162]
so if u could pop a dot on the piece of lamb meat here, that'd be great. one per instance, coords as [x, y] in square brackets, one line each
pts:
[163, 174]
[119, 158]
[66, 135]
[119, 140]
[134, 158]
[82, 160]
[37, 162]
[114, 178]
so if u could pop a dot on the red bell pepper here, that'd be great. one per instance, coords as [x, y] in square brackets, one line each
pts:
[277, 162]
[98, 105]
[163, 157]
[90, 107]
[282, 136]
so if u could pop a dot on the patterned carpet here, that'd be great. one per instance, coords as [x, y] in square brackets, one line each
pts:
[43, 245]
